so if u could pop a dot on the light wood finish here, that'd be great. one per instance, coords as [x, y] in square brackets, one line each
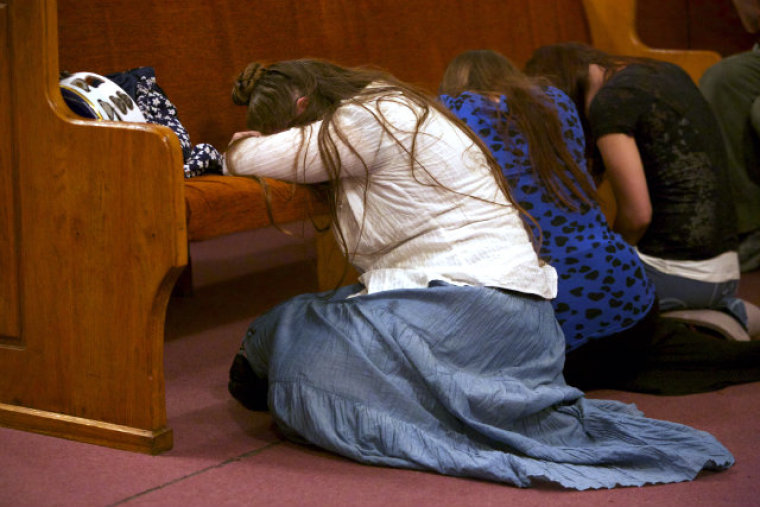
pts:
[332, 269]
[94, 237]
[220, 205]
[606, 199]
[612, 24]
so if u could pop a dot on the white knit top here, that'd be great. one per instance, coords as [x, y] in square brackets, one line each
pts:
[444, 220]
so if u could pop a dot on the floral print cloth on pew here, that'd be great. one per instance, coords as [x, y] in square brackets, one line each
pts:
[141, 85]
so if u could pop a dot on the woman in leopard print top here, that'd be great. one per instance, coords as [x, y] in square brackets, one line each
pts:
[602, 286]
[605, 302]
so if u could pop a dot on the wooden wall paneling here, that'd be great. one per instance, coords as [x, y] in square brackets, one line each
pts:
[99, 211]
[715, 25]
[663, 24]
[693, 24]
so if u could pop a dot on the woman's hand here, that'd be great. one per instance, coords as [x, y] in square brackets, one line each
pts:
[622, 162]
[237, 136]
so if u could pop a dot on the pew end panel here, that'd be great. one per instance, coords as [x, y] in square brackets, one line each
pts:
[96, 238]
[612, 24]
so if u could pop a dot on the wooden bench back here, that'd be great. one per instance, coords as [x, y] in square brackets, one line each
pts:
[197, 48]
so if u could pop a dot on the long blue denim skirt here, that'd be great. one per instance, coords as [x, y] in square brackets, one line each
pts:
[461, 380]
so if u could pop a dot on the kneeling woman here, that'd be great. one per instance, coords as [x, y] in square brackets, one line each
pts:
[447, 355]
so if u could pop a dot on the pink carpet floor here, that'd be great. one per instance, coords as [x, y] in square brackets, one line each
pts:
[225, 455]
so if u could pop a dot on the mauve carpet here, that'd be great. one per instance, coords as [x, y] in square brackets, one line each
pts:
[225, 455]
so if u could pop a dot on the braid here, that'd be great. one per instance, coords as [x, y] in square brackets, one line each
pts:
[246, 81]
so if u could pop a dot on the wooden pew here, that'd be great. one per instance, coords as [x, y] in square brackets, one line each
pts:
[95, 216]
[612, 24]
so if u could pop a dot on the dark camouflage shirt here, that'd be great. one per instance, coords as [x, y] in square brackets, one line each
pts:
[683, 155]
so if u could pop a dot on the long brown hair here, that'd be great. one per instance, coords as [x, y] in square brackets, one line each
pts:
[566, 66]
[270, 92]
[489, 73]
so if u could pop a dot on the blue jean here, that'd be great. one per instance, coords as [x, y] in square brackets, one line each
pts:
[679, 293]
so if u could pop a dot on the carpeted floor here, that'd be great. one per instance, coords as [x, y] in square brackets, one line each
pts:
[225, 455]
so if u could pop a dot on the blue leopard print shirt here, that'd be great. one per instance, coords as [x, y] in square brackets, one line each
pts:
[602, 288]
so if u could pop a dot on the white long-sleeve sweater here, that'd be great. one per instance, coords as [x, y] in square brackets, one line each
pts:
[446, 220]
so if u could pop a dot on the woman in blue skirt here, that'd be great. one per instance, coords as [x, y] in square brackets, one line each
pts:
[447, 355]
